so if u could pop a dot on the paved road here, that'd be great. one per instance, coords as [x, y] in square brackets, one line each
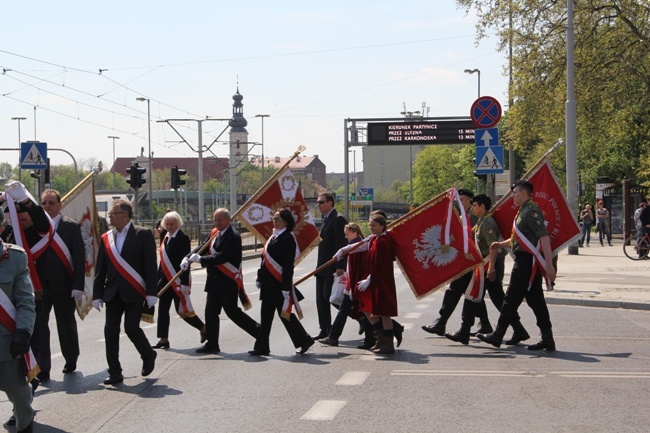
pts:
[596, 382]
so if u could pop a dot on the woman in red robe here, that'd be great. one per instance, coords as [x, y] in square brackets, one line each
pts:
[380, 283]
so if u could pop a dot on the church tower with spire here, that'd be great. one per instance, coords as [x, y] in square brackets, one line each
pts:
[238, 145]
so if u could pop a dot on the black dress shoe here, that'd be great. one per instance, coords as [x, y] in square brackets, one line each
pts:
[366, 346]
[306, 345]
[114, 379]
[69, 368]
[43, 376]
[322, 334]
[490, 339]
[258, 353]
[11, 421]
[436, 329]
[160, 345]
[329, 342]
[207, 348]
[204, 337]
[148, 364]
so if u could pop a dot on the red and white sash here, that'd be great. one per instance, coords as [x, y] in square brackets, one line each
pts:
[185, 308]
[34, 252]
[8, 320]
[476, 287]
[61, 250]
[121, 265]
[235, 274]
[276, 270]
[534, 250]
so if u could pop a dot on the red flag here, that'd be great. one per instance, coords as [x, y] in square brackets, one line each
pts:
[560, 223]
[257, 214]
[433, 248]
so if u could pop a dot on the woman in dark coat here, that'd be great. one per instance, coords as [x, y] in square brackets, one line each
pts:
[277, 293]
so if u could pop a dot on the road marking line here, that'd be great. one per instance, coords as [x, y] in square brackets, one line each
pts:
[605, 374]
[412, 315]
[421, 307]
[153, 325]
[324, 410]
[465, 373]
[103, 340]
[352, 378]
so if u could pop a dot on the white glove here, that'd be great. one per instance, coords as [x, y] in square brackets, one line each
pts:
[98, 304]
[258, 284]
[363, 284]
[17, 191]
[77, 294]
[195, 258]
[151, 301]
[185, 264]
[186, 290]
[339, 253]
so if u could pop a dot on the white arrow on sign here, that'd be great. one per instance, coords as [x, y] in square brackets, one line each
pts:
[486, 138]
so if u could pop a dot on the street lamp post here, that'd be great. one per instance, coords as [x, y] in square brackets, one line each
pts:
[114, 170]
[20, 175]
[149, 156]
[477, 71]
[262, 116]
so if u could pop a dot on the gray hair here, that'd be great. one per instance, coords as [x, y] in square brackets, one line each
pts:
[173, 215]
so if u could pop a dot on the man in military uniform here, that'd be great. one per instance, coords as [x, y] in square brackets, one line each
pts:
[526, 277]
[486, 232]
[457, 287]
[16, 326]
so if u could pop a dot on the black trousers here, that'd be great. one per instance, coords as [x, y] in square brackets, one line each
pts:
[494, 289]
[453, 294]
[323, 293]
[518, 291]
[66, 326]
[132, 312]
[293, 326]
[164, 304]
[226, 299]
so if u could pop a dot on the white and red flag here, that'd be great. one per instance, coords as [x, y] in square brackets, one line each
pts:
[79, 204]
[434, 245]
[560, 223]
[257, 213]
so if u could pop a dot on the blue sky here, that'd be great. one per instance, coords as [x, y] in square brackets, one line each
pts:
[309, 65]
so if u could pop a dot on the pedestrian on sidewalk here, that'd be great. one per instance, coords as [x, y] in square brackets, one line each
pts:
[587, 221]
[602, 224]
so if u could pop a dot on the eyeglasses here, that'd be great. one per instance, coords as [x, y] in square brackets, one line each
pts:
[277, 219]
[115, 213]
[51, 203]
[321, 201]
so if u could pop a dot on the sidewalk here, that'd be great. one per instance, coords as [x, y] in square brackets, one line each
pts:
[600, 277]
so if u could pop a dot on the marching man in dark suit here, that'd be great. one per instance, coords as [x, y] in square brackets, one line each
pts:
[225, 281]
[333, 239]
[125, 279]
[64, 283]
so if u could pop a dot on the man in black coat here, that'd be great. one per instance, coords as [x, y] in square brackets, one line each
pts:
[333, 239]
[125, 278]
[222, 262]
[63, 284]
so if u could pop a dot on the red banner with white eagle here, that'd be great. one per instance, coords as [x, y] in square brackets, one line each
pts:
[562, 227]
[79, 204]
[434, 246]
[284, 193]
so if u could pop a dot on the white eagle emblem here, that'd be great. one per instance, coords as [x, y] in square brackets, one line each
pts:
[431, 249]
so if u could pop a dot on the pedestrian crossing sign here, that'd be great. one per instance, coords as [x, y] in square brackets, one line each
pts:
[33, 155]
[489, 159]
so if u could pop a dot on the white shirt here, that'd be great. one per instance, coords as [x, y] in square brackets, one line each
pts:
[56, 220]
[120, 237]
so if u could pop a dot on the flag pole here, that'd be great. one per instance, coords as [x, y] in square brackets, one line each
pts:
[254, 197]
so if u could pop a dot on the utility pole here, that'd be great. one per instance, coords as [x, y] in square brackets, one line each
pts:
[20, 175]
[114, 170]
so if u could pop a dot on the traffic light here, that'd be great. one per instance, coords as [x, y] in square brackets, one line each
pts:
[177, 182]
[135, 176]
[47, 181]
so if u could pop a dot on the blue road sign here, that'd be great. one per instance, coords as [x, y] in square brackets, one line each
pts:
[487, 137]
[489, 159]
[485, 112]
[366, 192]
[33, 155]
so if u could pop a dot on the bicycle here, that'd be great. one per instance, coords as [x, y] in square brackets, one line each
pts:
[637, 250]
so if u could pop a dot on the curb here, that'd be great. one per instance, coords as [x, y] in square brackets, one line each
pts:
[600, 303]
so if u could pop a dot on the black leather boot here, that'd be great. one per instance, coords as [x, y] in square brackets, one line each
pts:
[462, 335]
[495, 338]
[438, 327]
[519, 334]
[398, 330]
[546, 343]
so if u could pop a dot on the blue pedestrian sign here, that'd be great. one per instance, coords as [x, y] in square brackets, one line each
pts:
[489, 159]
[33, 155]
[487, 137]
